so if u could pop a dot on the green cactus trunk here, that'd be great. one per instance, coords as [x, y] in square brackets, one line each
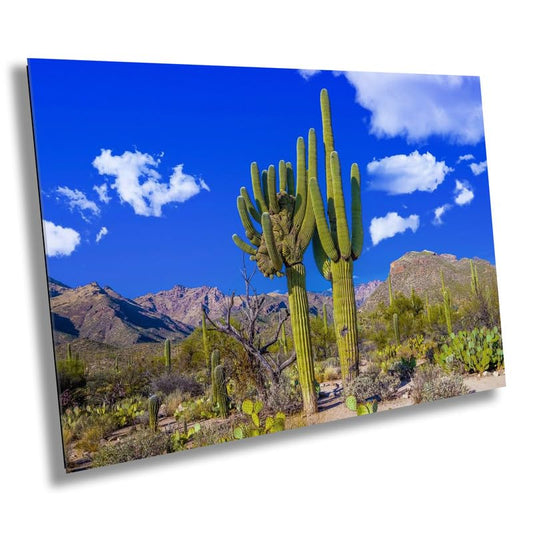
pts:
[215, 361]
[301, 332]
[448, 312]
[168, 360]
[391, 297]
[345, 318]
[428, 310]
[205, 340]
[69, 352]
[396, 327]
[154, 403]
[220, 398]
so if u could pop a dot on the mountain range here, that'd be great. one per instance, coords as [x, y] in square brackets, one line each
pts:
[103, 315]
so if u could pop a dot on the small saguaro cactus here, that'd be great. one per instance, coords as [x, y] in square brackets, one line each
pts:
[325, 318]
[428, 309]
[389, 283]
[334, 249]
[168, 356]
[214, 362]
[205, 340]
[447, 303]
[286, 220]
[474, 281]
[220, 398]
[69, 352]
[154, 403]
[283, 341]
[396, 327]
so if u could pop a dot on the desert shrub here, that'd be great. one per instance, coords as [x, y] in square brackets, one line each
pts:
[71, 376]
[431, 383]
[110, 386]
[139, 444]
[173, 382]
[215, 433]
[332, 372]
[285, 396]
[194, 409]
[372, 384]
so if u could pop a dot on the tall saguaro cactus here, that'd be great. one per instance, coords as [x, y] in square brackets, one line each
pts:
[286, 220]
[334, 249]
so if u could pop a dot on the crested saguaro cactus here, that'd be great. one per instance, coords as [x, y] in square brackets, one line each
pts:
[286, 218]
[334, 249]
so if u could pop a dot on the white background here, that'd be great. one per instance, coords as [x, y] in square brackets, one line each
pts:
[459, 465]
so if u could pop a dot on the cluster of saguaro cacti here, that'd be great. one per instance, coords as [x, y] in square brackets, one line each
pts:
[286, 221]
[447, 303]
[154, 403]
[168, 356]
[334, 249]
[396, 328]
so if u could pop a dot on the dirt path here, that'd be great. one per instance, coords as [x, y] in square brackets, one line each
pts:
[331, 404]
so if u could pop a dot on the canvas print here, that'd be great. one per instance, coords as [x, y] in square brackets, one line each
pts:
[233, 252]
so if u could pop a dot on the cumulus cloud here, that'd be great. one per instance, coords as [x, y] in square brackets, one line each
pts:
[138, 183]
[439, 212]
[103, 231]
[101, 190]
[463, 193]
[59, 241]
[77, 200]
[417, 106]
[466, 157]
[478, 168]
[306, 74]
[404, 174]
[391, 224]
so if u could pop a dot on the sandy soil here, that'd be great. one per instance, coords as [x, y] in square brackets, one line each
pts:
[331, 405]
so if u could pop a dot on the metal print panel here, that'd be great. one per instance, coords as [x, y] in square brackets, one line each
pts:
[234, 252]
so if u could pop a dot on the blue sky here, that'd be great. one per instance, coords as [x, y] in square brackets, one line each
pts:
[140, 166]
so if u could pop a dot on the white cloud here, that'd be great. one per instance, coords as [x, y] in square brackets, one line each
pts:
[101, 190]
[439, 212]
[463, 193]
[77, 200]
[466, 157]
[138, 183]
[306, 74]
[390, 225]
[404, 174]
[478, 168]
[103, 231]
[59, 241]
[417, 106]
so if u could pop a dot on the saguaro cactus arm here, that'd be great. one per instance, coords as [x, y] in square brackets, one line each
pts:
[357, 212]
